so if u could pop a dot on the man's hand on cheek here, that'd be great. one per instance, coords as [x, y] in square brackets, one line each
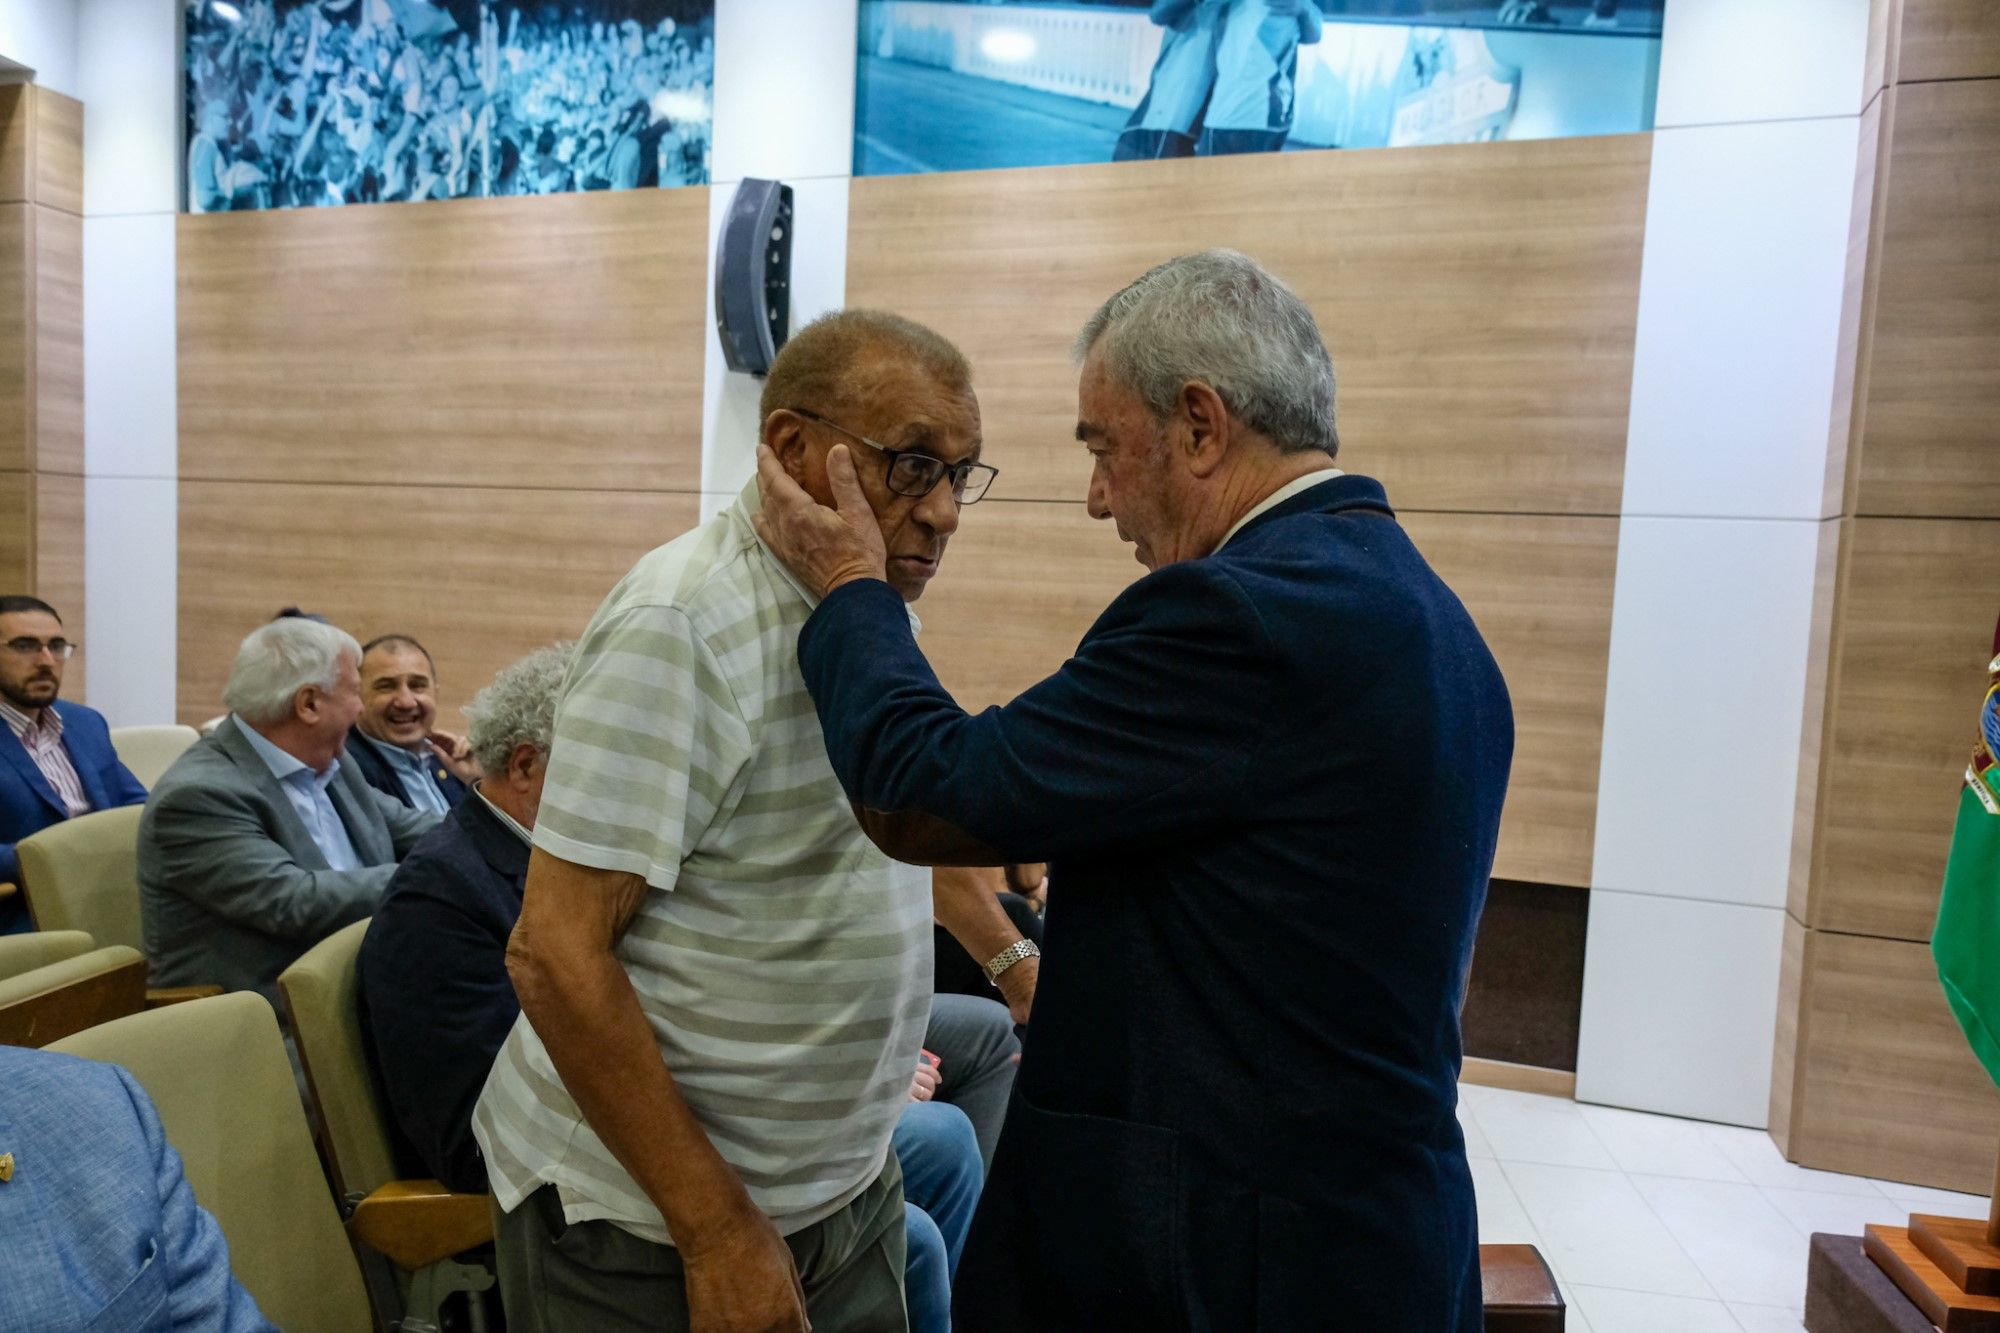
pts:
[823, 547]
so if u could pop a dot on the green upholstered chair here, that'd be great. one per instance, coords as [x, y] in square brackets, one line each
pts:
[148, 752]
[410, 1230]
[38, 948]
[83, 874]
[48, 1003]
[217, 1070]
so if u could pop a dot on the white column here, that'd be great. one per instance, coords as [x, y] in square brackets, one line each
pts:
[1725, 496]
[784, 110]
[129, 81]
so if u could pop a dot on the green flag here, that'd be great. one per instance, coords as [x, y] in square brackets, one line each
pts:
[1966, 941]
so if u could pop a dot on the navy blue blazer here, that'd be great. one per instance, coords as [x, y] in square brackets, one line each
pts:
[375, 771]
[102, 1231]
[1269, 786]
[435, 998]
[28, 804]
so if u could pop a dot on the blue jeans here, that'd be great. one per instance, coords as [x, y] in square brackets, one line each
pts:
[942, 1174]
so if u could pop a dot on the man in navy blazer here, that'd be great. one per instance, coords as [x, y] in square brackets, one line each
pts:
[102, 1230]
[1269, 782]
[56, 759]
[395, 742]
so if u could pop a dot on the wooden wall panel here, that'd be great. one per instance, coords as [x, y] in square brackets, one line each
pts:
[1023, 581]
[1886, 1084]
[58, 312]
[1915, 627]
[1784, 1053]
[1020, 584]
[58, 575]
[480, 575]
[1949, 39]
[1540, 590]
[1933, 388]
[535, 342]
[1821, 690]
[1479, 300]
[17, 530]
[58, 151]
[16, 143]
[17, 337]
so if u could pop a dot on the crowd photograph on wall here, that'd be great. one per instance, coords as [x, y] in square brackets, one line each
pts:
[307, 103]
[961, 85]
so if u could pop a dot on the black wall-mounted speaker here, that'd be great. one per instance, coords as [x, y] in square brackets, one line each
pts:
[753, 276]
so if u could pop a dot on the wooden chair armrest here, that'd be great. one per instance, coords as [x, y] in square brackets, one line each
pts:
[8, 888]
[415, 1223]
[158, 997]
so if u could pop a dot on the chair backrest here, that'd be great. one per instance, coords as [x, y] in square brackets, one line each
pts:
[49, 1003]
[320, 996]
[150, 751]
[83, 874]
[218, 1073]
[38, 948]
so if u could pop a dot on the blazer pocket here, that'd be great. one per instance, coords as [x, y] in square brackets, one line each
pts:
[142, 1303]
[1109, 1227]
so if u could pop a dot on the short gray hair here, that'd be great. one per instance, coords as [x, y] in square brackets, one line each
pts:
[278, 660]
[519, 707]
[1224, 319]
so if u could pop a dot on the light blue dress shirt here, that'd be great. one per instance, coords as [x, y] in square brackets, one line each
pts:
[414, 772]
[306, 790]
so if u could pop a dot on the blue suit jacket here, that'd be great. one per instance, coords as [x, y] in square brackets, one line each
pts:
[28, 804]
[436, 1002]
[1269, 784]
[102, 1231]
[377, 773]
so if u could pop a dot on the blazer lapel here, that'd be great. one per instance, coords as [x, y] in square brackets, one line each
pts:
[17, 754]
[87, 766]
[370, 836]
[293, 834]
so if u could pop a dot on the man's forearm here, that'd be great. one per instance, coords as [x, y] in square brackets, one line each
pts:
[584, 1009]
[966, 903]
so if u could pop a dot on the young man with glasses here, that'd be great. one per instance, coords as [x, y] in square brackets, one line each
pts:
[723, 983]
[56, 760]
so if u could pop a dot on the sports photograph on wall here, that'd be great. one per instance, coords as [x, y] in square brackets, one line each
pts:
[963, 85]
[306, 103]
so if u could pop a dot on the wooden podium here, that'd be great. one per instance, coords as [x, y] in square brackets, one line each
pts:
[1949, 1267]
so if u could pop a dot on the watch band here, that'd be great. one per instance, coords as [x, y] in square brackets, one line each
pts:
[1009, 956]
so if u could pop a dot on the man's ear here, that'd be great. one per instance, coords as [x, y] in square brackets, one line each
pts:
[1207, 418]
[305, 704]
[784, 434]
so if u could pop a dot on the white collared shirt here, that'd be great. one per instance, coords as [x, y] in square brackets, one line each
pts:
[1285, 492]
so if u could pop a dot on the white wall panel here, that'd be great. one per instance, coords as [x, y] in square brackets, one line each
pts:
[1724, 61]
[1739, 319]
[1704, 700]
[130, 565]
[130, 78]
[1679, 1006]
[41, 34]
[129, 389]
[784, 89]
[819, 284]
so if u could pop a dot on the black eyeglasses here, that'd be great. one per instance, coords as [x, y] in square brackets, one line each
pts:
[913, 474]
[60, 649]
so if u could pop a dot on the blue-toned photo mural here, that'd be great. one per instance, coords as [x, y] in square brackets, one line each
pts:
[302, 103]
[955, 85]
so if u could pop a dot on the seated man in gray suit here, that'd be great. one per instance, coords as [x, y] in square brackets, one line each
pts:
[259, 842]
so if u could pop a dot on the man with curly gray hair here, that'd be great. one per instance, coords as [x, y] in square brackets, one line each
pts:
[435, 999]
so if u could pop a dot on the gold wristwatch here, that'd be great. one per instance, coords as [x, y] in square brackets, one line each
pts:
[1009, 956]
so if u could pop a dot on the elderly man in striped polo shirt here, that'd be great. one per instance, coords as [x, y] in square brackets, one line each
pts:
[723, 983]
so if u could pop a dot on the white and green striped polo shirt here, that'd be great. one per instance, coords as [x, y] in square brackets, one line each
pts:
[783, 962]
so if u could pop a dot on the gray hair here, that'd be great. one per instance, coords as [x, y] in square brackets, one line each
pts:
[519, 707]
[1224, 319]
[278, 660]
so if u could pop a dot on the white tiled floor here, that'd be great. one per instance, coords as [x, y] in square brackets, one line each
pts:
[1658, 1225]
